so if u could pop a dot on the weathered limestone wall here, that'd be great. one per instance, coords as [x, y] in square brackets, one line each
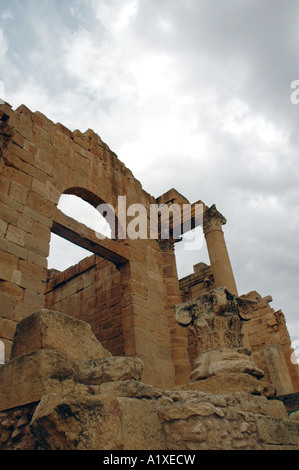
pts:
[266, 334]
[91, 291]
[193, 286]
[63, 391]
[167, 421]
[40, 161]
[270, 344]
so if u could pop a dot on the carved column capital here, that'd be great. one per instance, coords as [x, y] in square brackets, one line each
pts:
[213, 220]
[216, 319]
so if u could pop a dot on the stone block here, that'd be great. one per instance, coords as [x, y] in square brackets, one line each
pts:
[78, 422]
[8, 214]
[7, 305]
[6, 272]
[4, 185]
[47, 329]
[18, 139]
[32, 283]
[37, 245]
[16, 235]
[37, 259]
[226, 360]
[7, 328]
[127, 388]
[31, 148]
[11, 290]
[18, 176]
[24, 223]
[43, 162]
[32, 269]
[40, 204]
[108, 369]
[277, 431]
[18, 192]
[21, 153]
[11, 203]
[3, 228]
[146, 433]
[42, 121]
[29, 377]
[230, 383]
[42, 133]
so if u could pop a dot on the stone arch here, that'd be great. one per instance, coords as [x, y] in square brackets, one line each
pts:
[85, 194]
[104, 208]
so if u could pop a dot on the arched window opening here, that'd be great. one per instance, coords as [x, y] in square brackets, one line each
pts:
[64, 253]
[82, 211]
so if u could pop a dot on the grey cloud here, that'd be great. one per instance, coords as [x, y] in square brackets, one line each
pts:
[246, 48]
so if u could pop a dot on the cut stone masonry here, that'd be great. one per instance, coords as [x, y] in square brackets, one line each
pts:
[51, 399]
[118, 304]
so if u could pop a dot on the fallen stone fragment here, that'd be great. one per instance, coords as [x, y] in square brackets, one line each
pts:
[47, 329]
[28, 377]
[108, 369]
[78, 422]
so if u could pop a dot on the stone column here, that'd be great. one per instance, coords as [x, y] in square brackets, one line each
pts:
[219, 258]
[178, 336]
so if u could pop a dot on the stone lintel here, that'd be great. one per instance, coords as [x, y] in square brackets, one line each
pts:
[83, 236]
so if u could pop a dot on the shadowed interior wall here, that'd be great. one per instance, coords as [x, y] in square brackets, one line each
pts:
[91, 291]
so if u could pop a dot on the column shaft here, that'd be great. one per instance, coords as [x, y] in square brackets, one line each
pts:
[218, 254]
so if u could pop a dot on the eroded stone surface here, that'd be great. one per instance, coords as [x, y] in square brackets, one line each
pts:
[29, 377]
[217, 318]
[72, 422]
[224, 361]
[49, 402]
[108, 369]
[136, 418]
[230, 383]
[47, 329]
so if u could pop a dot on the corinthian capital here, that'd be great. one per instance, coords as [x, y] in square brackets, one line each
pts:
[213, 220]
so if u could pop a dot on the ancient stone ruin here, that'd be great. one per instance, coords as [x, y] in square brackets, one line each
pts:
[117, 353]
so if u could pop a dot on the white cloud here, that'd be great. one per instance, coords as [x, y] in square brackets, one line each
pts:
[64, 254]
[7, 15]
[97, 69]
[115, 14]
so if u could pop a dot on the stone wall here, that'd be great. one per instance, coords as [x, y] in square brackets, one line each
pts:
[270, 344]
[91, 291]
[128, 298]
[168, 421]
[40, 160]
[63, 391]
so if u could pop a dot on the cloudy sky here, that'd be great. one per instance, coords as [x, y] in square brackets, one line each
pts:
[190, 94]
